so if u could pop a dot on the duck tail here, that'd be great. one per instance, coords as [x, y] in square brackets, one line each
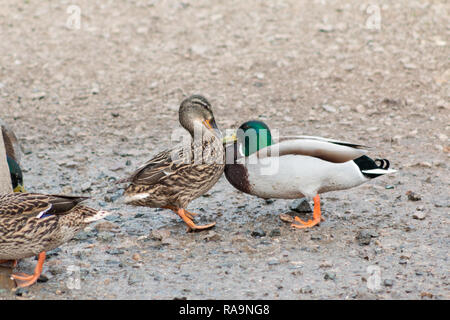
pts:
[373, 168]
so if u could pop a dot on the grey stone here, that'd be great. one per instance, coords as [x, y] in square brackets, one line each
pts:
[273, 262]
[364, 237]
[306, 289]
[258, 233]
[412, 196]
[105, 236]
[329, 276]
[420, 215]
[300, 206]
[388, 282]
[275, 233]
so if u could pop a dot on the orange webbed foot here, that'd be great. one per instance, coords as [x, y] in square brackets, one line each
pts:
[317, 217]
[188, 217]
[310, 223]
[25, 280]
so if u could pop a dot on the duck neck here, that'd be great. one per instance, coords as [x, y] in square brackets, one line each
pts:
[16, 173]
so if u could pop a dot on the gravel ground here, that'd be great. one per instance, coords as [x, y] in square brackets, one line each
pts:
[90, 104]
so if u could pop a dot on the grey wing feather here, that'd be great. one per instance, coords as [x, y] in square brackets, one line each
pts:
[323, 149]
[342, 143]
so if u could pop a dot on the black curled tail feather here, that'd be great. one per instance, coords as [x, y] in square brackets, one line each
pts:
[384, 163]
[365, 163]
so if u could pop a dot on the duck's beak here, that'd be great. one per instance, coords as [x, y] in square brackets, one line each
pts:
[211, 125]
[229, 139]
[19, 188]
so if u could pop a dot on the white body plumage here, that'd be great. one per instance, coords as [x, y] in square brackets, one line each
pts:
[302, 176]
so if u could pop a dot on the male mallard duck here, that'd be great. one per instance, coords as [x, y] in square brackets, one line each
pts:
[175, 177]
[13, 155]
[296, 167]
[31, 224]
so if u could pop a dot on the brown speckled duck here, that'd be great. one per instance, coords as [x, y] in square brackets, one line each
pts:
[31, 224]
[175, 177]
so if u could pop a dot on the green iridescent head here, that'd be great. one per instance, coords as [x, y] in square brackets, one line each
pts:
[16, 175]
[253, 136]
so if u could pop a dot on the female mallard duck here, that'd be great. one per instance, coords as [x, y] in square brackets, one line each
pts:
[296, 167]
[175, 177]
[13, 155]
[31, 224]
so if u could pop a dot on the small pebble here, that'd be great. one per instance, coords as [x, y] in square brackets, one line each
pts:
[419, 215]
[426, 295]
[326, 264]
[113, 218]
[300, 206]
[326, 28]
[168, 241]
[329, 276]
[388, 282]
[114, 251]
[412, 196]
[42, 278]
[136, 257]
[212, 236]
[135, 278]
[84, 235]
[159, 234]
[286, 218]
[360, 108]
[86, 187]
[95, 89]
[442, 204]
[38, 95]
[424, 164]
[21, 292]
[273, 262]
[53, 253]
[105, 226]
[306, 289]
[363, 237]
[105, 236]
[275, 233]
[329, 108]
[258, 233]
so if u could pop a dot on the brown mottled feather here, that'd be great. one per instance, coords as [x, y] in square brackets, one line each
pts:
[23, 234]
[176, 177]
[32, 204]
